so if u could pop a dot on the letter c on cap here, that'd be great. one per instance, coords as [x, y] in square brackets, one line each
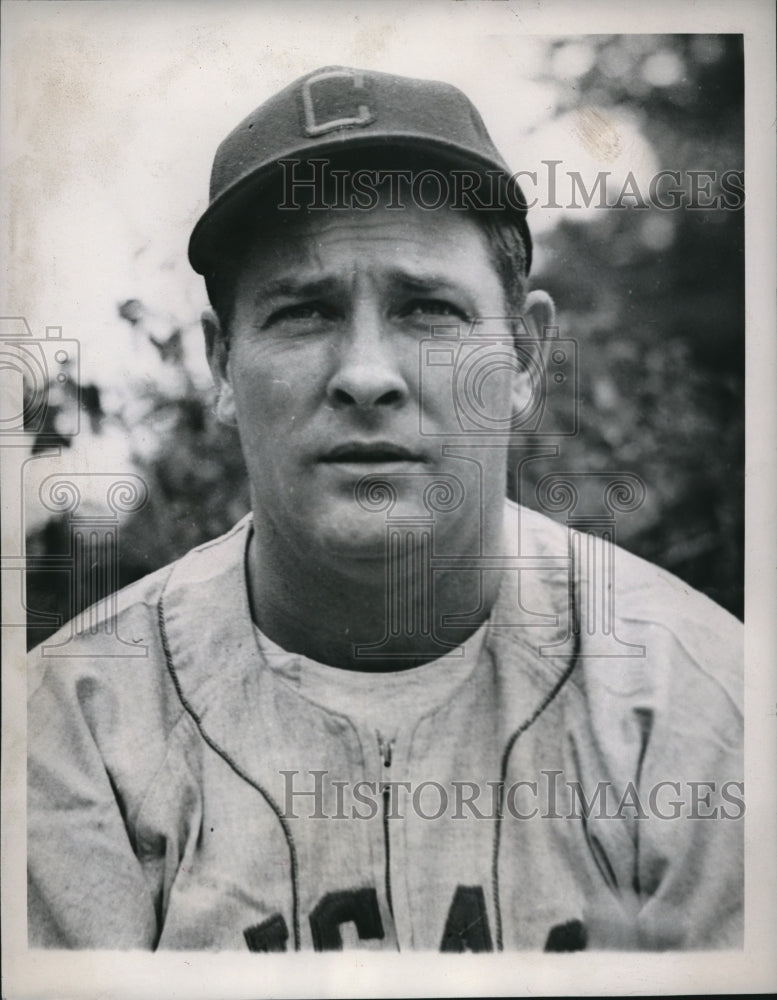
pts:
[362, 116]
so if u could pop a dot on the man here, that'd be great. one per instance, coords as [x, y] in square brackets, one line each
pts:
[379, 712]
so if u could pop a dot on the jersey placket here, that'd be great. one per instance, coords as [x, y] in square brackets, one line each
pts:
[394, 788]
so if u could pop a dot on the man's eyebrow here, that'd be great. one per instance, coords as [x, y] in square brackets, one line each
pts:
[290, 287]
[423, 281]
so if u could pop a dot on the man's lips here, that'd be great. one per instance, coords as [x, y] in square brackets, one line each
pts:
[370, 452]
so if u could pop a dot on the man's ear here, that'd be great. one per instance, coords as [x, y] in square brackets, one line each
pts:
[217, 352]
[538, 313]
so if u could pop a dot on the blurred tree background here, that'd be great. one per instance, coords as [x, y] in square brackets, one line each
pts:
[654, 299]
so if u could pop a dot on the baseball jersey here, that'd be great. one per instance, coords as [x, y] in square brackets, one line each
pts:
[565, 780]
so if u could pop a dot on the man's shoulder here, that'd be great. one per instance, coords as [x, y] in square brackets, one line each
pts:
[125, 626]
[638, 656]
[640, 627]
[641, 591]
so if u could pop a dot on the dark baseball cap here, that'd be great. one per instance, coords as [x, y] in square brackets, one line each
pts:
[335, 111]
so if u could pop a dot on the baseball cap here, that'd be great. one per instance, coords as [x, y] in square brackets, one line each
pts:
[336, 110]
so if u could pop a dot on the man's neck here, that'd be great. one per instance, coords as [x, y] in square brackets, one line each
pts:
[364, 615]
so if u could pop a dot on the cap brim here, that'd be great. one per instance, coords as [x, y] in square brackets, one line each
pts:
[217, 235]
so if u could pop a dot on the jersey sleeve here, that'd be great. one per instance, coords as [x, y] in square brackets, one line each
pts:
[670, 725]
[86, 887]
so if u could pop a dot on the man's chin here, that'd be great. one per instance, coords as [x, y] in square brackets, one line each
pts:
[356, 540]
[349, 532]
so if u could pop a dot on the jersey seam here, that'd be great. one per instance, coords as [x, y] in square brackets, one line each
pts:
[238, 770]
[524, 727]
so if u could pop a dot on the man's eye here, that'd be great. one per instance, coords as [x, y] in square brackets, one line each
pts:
[433, 307]
[300, 311]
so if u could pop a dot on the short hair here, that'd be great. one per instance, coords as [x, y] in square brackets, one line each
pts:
[500, 228]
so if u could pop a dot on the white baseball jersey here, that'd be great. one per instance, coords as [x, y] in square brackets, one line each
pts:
[551, 785]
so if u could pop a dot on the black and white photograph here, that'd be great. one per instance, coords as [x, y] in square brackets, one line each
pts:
[388, 489]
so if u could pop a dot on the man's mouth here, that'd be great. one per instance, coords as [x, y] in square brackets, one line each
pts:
[370, 453]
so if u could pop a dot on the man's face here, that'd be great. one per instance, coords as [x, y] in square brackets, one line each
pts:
[327, 380]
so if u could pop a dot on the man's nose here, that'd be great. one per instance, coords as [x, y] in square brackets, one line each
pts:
[368, 372]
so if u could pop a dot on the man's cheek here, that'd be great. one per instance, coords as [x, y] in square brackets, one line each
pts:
[460, 405]
[265, 400]
[280, 396]
[437, 399]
